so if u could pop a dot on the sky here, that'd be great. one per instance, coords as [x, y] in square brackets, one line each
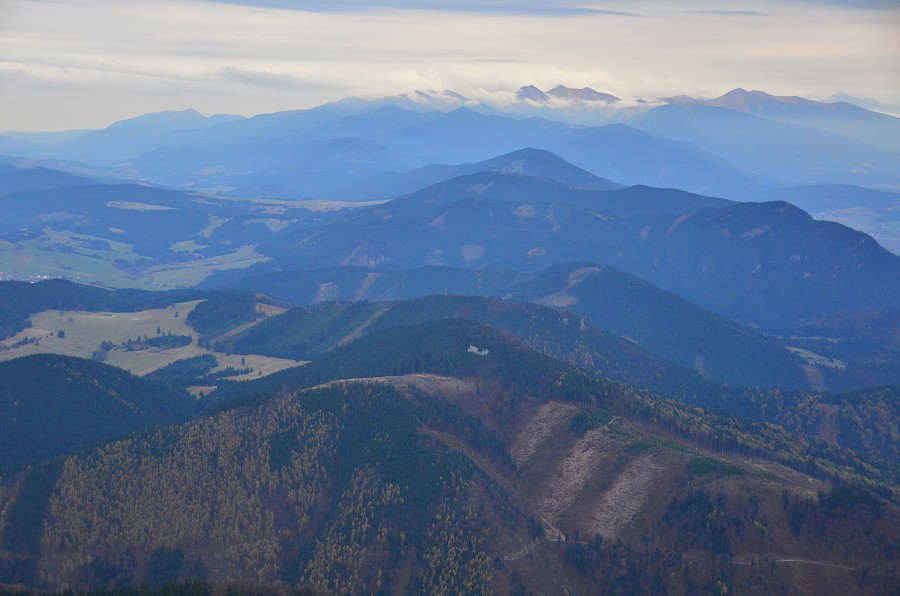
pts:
[72, 64]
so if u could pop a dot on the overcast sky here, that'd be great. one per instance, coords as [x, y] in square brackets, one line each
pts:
[68, 64]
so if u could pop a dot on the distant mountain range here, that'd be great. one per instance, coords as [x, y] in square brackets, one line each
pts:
[583, 94]
[778, 152]
[732, 146]
[521, 211]
[121, 140]
[586, 94]
[288, 167]
[841, 118]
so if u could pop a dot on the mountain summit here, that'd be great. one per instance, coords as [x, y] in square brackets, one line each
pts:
[532, 93]
[584, 94]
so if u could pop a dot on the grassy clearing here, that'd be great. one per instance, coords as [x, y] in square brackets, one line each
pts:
[199, 391]
[132, 206]
[187, 246]
[276, 225]
[146, 361]
[261, 365]
[313, 205]
[214, 222]
[110, 263]
[85, 331]
[182, 275]
[33, 259]
[83, 244]
[276, 206]
[818, 359]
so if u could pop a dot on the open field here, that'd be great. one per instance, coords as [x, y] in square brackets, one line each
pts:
[186, 274]
[187, 246]
[38, 258]
[92, 246]
[282, 204]
[274, 224]
[116, 251]
[818, 359]
[132, 206]
[214, 222]
[85, 331]
[31, 260]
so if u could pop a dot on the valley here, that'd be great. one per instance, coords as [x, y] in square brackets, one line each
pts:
[134, 236]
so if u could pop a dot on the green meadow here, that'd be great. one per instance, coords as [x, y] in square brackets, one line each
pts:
[83, 332]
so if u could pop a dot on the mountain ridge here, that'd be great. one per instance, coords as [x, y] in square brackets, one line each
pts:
[527, 161]
[704, 254]
[72, 403]
[841, 118]
[782, 141]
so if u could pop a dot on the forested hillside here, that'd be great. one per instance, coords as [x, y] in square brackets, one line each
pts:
[863, 421]
[483, 467]
[766, 264]
[51, 405]
[672, 328]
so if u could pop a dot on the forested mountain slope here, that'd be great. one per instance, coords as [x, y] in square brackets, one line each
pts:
[766, 264]
[618, 303]
[481, 467]
[666, 326]
[51, 405]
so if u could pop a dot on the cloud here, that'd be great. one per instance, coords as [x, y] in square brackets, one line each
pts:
[534, 7]
[858, 4]
[538, 7]
[498, 60]
[869, 104]
[269, 80]
[110, 60]
[731, 13]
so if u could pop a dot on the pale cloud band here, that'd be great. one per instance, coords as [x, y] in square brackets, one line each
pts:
[539, 8]
[86, 63]
[532, 7]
